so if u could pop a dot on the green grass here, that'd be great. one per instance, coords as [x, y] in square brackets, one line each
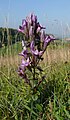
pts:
[11, 49]
[51, 100]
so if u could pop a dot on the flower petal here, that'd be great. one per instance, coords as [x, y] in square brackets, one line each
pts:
[47, 40]
[35, 51]
[24, 23]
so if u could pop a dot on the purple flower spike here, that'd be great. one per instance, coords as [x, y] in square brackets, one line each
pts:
[34, 44]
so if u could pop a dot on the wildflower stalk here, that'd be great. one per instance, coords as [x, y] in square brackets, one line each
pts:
[34, 45]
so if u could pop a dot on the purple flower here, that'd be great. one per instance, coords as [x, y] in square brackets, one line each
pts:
[23, 75]
[31, 31]
[47, 40]
[41, 27]
[42, 36]
[25, 63]
[34, 18]
[37, 53]
[24, 53]
[22, 29]
[32, 45]
[29, 19]
[34, 51]
[38, 29]
[20, 72]
[24, 23]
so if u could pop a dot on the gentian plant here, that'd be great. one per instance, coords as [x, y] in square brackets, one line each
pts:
[34, 45]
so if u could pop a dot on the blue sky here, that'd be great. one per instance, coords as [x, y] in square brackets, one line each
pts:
[51, 13]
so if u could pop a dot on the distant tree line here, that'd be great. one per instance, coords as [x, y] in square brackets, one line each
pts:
[9, 36]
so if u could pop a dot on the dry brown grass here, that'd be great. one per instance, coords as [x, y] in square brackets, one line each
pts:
[9, 60]
[56, 55]
[50, 56]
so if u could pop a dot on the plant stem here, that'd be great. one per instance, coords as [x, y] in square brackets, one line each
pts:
[34, 73]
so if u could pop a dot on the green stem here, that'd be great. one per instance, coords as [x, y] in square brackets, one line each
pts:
[34, 73]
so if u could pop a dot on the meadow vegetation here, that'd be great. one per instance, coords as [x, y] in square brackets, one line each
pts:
[51, 100]
[42, 90]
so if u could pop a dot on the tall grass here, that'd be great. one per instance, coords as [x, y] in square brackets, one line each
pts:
[15, 96]
[54, 53]
[51, 101]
